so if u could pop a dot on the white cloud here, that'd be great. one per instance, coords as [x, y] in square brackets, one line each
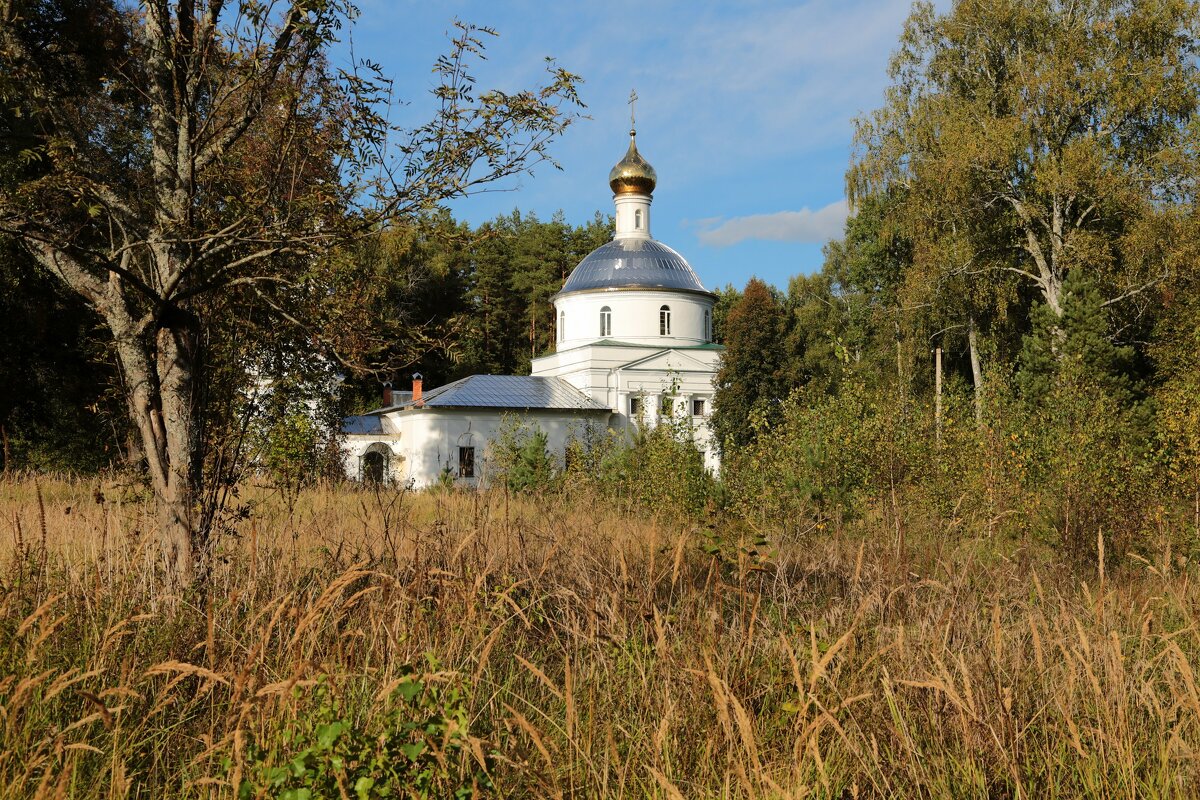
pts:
[804, 225]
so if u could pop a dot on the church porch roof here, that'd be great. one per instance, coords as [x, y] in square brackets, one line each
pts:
[517, 392]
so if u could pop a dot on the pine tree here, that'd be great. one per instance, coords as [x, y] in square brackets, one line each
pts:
[750, 373]
[1077, 346]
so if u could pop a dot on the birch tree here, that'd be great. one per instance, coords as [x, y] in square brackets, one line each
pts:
[1032, 138]
[208, 163]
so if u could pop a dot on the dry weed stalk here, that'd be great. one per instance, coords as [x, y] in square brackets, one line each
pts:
[605, 655]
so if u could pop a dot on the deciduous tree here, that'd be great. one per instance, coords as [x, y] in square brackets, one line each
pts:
[201, 167]
[1032, 138]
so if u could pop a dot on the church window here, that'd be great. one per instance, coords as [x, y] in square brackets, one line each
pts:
[664, 321]
[707, 326]
[637, 219]
[664, 405]
[466, 462]
[635, 406]
[562, 325]
[606, 321]
[375, 464]
[698, 407]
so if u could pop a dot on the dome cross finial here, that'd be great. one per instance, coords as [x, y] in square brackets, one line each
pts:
[632, 174]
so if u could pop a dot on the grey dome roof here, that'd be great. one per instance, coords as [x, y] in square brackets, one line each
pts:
[633, 264]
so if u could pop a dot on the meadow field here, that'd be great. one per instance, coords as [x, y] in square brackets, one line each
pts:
[358, 644]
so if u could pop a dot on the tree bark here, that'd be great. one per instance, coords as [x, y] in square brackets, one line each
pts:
[159, 374]
[976, 370]
[177, 502]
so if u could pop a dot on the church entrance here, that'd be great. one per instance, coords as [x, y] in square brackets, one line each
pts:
[374, 466]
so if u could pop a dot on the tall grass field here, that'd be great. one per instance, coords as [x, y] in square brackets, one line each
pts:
[358, 644]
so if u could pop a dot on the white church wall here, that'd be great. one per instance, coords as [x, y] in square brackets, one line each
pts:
[614, 374]
[354, 448]
[428, 441]
[632, 217]
[635, 318]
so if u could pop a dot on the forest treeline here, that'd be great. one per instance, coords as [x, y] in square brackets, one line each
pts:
[446, 300]
[1007, 338]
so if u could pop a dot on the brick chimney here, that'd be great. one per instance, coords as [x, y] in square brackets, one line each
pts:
[387, 394]
[416, 398]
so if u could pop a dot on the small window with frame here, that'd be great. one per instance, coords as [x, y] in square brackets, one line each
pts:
[666, 405]
[698, 407]
[466, 462]
[635, 406]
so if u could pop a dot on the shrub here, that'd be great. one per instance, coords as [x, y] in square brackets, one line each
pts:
[823, 457]
[661, 470]
[1089, 462]
[519, 459]
[419, 748]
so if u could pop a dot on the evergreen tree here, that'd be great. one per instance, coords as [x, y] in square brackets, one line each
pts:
[1078, 345]
[518, 263]
[541, 261]
[492, 335]
[750, 374]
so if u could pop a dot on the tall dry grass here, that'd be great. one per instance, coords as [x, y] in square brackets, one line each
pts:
[603, 654]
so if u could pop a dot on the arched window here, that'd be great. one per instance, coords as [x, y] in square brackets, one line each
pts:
[562, 325]
[637, 219]
[375, 466]
[606, 321]
[707, 330]
[664, 321]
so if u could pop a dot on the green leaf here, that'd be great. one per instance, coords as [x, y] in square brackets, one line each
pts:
[363, 786]
[328, 734]
[410, 689]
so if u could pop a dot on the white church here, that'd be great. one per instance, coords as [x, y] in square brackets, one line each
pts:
[634, 345]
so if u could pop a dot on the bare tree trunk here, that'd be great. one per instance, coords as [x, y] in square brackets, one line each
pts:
[976, 370]
[176, 505]
[937, 396]
[160, 405]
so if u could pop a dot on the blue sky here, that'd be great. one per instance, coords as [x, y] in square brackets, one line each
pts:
[746, 111]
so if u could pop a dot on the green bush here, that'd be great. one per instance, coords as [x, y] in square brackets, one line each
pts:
[654, 468]
[418, 748]
[820, 458]
[1089, 463]
[519, 459]
[661, 470]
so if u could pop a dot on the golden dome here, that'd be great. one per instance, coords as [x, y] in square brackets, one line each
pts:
[632, 174]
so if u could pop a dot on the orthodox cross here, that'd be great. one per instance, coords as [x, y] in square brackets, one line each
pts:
[633, 110]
